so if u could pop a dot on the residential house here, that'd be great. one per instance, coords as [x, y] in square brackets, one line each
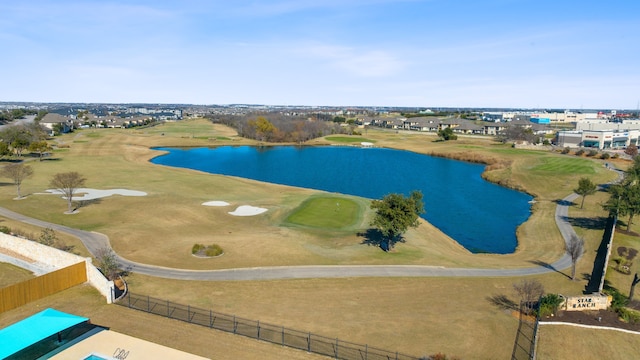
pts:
[53, 120]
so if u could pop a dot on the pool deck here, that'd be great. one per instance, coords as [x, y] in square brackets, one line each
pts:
[109, 345]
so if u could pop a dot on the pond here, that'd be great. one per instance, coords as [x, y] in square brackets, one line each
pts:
[480, 215]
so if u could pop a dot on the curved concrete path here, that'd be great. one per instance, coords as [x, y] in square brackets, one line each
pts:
[95, 242]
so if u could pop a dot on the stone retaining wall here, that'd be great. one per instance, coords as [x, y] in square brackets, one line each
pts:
[47, 259]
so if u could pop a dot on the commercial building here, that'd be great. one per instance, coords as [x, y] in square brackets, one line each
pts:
[600, 139]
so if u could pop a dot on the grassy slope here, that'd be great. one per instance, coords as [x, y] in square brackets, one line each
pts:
[381, 312]
[10, 274]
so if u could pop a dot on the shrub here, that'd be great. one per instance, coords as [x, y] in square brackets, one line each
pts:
[616, 155]
[196, 248]
[5, 230]
[592, 153]
[628, 315]
[579, 152]
[605, 156]
[566, 150]
[210, 250]
[213, 250]
[549, 304]
[618, 301]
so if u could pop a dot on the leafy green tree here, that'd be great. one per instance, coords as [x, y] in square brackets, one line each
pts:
[447, 134]
[17, 172]
[40, 147]
[585, 187]
[264, 129]
[5, 150]
[624, 201]
[395, 214]
[19, 145]
[67, 184]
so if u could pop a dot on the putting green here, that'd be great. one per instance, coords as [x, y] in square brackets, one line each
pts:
[327, 212]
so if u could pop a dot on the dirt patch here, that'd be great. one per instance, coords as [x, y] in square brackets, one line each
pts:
[625, 232]
[594, 318]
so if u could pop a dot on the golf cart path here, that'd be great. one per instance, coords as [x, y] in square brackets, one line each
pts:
[95, 242]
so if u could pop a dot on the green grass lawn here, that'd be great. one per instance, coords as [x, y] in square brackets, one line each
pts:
[10, 274]
[565, 165]
[328, 212]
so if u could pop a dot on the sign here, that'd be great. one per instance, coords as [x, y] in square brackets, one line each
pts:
[587, 302]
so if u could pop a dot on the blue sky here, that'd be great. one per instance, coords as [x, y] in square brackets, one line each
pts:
[432, 53]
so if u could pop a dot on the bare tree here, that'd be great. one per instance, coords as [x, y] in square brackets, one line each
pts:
[17, 172]
[529, 290]
[107, 262]
[48, 237]
[67, 184]
[574, 248]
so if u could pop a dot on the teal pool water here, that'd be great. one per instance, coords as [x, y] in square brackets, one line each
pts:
[481, 216]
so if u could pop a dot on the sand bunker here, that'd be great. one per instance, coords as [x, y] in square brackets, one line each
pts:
[91, 194]
[215, 203]
[246, 210]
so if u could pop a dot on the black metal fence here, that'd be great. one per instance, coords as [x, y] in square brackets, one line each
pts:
[306, 341]
[527, 335]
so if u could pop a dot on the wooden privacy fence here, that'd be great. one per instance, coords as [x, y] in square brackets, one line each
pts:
[30, 290]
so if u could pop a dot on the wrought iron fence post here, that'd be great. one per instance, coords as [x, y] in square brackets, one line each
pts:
[309, 342]
[366, 351]
[235, 324]
[210, 318]
[148, 304]
[337, 348]
[168, 310]
[258, 329]
[283, 336]
[189, 313]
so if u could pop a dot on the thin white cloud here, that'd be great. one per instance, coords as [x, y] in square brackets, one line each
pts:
[354, 61]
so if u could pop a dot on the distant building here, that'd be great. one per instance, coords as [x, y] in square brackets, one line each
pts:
[599, 139]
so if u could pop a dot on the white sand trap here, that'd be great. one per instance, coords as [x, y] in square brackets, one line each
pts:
[366, 144]
[215, 203]
[92, 194]
[247, 210]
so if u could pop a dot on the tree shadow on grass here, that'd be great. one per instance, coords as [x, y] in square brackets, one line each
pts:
[563, 202]
[502, 302]
[85, 203]
[548, 266]
[597, 223]
[373, 237]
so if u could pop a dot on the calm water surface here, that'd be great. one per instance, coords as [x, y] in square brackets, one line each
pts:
[481, 216]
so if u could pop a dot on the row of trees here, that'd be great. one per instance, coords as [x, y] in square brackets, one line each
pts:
[625, 196]
[7, 116]
[274, 127]
[16, 139]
